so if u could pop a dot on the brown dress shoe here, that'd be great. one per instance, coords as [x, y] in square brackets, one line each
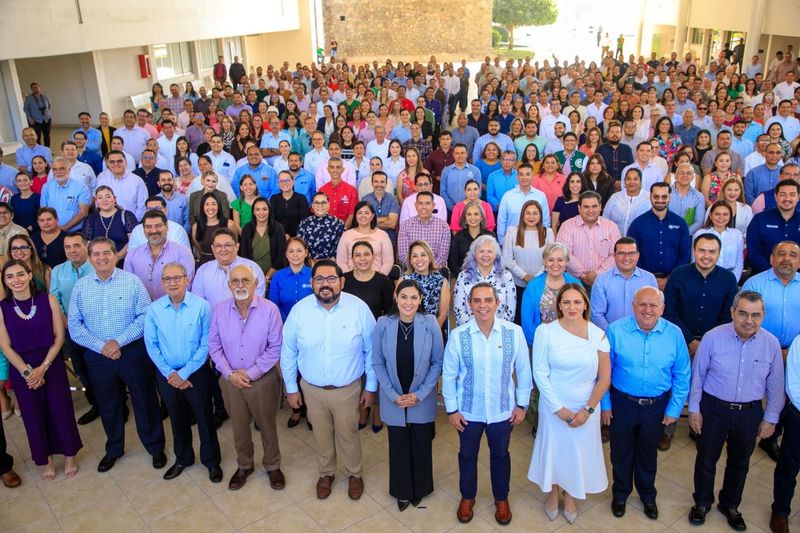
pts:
[276, 479]
[324, 486]
[11, 480]
[778, 524]
[356, 488]
[464, 513]
[502, 513]
[240, 478]
[664, 443]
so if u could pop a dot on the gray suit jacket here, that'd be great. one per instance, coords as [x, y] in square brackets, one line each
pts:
[428, 355]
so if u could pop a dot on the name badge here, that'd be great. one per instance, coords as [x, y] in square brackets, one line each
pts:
[673, 227]
[772, 226]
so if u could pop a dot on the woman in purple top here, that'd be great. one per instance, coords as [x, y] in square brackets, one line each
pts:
[31, 336]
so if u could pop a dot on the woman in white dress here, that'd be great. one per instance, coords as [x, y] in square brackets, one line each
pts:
[572, 371]
[624, 206]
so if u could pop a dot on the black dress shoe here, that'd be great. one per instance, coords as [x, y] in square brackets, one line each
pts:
[159, 460]
[174, 471]
[771, 447]
[416, 501]
[219, 418]
[292, 422]
[126, 411]
[734, 518]
[106, 463]
[310, 427]
[651, 511]
[402, 505]
[88, 417]
[215, 474]
[618, 509]
[697, 515]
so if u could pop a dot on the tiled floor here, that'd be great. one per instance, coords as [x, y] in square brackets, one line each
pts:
[133, 497]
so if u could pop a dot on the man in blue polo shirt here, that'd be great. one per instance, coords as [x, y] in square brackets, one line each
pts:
[70, 198]
[455, 176]
[93, 136]
[772, 226]
[261, 172]
[663, 236]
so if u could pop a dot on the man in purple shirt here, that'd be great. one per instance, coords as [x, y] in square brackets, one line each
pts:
[195, 131]
[245, 345]
[735, 366]
[237, 107]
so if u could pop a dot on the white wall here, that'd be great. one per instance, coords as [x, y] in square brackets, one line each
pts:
[118, 77]
[62, 79]
[36, 28]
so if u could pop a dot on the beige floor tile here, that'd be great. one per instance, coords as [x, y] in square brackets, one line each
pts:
[484, 498]
[162, 498]
[436, 513]
[69, 495]
[673, 500]
[135, 469]
[114, 513]
[27, 512]
[199, 518]
[527, 514]
[338, 511]
[376, 484]
[291, 518]
[715, 523]
[252, 502]
[598, 518]
[380, 521]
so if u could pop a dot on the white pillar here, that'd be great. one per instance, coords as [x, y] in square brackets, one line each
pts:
[681, 27]
[756, 23]
[13, 122]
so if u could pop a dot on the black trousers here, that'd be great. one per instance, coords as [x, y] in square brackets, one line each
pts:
[737, 430]
[411, 460]
[785, 477]
[6, 461]
[635, 432]
[76, 354]
[135, 370]
[42, 130]
[181, 406]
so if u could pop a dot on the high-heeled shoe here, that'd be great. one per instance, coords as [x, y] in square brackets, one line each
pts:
[11, 409]
[376, 429]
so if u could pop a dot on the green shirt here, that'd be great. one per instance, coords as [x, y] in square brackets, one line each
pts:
[244, 209]
[261, 253]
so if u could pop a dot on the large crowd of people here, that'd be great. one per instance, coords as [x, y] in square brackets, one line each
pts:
[611, 241]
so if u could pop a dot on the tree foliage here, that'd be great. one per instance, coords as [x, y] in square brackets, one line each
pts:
[512, 14]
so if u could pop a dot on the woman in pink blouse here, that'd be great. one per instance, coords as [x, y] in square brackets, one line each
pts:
[365, 228]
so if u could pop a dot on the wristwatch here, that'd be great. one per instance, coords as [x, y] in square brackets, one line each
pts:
[589, 410]
[27, 372]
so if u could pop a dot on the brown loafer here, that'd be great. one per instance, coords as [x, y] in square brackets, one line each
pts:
[502, 512]
[240, 478]
[324, 486]
[778, 524]
[356, 488]
[664, 443]
[11, 480]
[276, 479]
[464, 513]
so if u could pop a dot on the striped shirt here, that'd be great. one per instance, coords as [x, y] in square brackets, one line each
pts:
[736, 370]
[591, 247]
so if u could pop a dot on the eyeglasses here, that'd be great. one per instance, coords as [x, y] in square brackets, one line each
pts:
[24, 248]
[325, 279]
[225, 246]
[745, 315]
[172, 279]
[246, 282]
[286, 180]
[320, 202]
[626, 254]
[115, 161]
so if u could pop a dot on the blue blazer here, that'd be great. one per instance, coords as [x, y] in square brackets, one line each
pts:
[531, 318]
[428, 356]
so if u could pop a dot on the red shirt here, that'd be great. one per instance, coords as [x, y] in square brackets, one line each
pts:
[405, 103]
[343, 199]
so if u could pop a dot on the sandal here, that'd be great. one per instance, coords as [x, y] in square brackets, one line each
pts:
[70, 473]
[49, 473]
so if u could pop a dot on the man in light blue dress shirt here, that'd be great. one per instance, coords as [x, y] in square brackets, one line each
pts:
[455, 176]
[486, 347]
[613, 290]
[649, 360]
[331, 357]
[176, 328]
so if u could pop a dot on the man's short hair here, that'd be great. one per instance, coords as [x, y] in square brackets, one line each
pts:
[788, 182]
[326, 263]
[626, 240]
[707, 237]
[155, 213]
[222, 232]
[484, 285]
[587, 195]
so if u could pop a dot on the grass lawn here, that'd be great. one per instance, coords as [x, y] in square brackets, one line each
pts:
[504, 53]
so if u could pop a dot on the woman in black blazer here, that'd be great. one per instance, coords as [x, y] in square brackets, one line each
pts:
[263, 239]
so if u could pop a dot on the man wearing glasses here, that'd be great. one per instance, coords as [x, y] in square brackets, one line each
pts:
[331, 357]
[211, 279]
[182, 373]
[69, 197]
[130, 190]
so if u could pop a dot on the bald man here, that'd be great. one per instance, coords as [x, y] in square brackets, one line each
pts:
[646, 394]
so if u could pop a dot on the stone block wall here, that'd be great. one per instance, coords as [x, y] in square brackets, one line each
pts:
[402, 29]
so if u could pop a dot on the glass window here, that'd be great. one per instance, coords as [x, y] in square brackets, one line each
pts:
[697, 35]
[208, 51]
[172, 60]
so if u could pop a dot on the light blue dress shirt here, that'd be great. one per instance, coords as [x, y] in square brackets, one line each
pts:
[336, 351]
[104, 310]
[94, 139]
[177, 339]
[178, 209]
[497, 184]
[263, 174]
[511, 206]
[25, 154]
[782, 304]
[477, 372]
[63, 279]
[453, 181]
[793, 373]
[612, 294]
[65, 199]
[649, 364]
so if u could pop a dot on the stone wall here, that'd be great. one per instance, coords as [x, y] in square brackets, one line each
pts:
[409, 29]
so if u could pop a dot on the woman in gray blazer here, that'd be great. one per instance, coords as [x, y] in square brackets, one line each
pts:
[407, 358]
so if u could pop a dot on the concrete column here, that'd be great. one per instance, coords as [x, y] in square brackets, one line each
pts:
[681, 27]
[756, 23]
[12, 117]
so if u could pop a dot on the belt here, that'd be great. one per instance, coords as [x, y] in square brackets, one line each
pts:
[732, 406]
[641, 400]
[330, 387]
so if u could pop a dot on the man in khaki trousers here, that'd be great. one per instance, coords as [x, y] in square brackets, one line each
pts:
[327, 338]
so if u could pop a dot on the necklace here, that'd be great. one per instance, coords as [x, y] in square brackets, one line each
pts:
[110, 222]
[406, 330]
[19, 312]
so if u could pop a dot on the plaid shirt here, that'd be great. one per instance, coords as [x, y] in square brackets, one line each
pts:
[435, 232]
[423, 145]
